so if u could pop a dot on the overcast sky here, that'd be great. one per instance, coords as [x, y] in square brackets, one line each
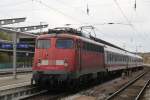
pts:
[133, 31]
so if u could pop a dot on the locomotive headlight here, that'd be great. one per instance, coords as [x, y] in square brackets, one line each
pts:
[65, 63]
[39, 60]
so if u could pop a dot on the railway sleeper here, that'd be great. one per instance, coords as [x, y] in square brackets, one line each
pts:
[13, 95]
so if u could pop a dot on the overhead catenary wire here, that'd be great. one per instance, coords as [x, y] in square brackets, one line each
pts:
[126, 18]
[137, 15]
[58, 11]
[87, 13]
[73, 18]
[42, 1]
[69, 6]
[70, 17]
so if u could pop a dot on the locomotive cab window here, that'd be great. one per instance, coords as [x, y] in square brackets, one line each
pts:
[41, 43]
[64, 43]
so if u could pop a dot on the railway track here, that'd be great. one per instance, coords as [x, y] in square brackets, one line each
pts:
[18, 93]
[133, 90]
[34, 93]
[46, 96]
[102, 91]
[140, 95]
[139, 81]
[146, 93]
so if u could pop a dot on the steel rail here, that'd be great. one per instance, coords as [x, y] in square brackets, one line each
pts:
[126, 86]
[18, 92]
[49, 97]
[142, 90]
[31, 95]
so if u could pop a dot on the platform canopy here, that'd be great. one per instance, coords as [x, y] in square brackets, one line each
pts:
[11, 21]
[27, 28]
[15, 37]
[19, 34]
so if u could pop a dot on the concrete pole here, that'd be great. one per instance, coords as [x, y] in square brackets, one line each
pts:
[14, 54]
[40, 29]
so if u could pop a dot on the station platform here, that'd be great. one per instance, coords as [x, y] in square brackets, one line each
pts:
[7, 82]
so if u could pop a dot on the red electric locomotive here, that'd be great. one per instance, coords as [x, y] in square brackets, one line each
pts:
[65, 55]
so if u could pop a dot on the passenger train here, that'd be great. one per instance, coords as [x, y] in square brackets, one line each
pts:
[66, 55]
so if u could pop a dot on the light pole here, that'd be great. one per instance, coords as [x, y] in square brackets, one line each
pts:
[14, 55]
[27, 54]
[137, 49]
[41, 28]
[135, 5]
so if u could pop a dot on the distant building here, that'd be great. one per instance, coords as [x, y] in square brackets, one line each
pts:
[146, 57]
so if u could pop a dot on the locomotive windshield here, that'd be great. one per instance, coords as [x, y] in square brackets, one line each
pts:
[43, 44]
[64, 43]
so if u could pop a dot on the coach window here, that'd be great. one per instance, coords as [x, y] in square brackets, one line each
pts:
[119, 58]
[130, 59]
[109, 57]
[122, 58]
[64, 43]
[42, 43]
[114, 57]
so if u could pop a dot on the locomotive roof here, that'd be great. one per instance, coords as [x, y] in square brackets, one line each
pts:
[72, 33]
[69, 36]
[68, 30]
